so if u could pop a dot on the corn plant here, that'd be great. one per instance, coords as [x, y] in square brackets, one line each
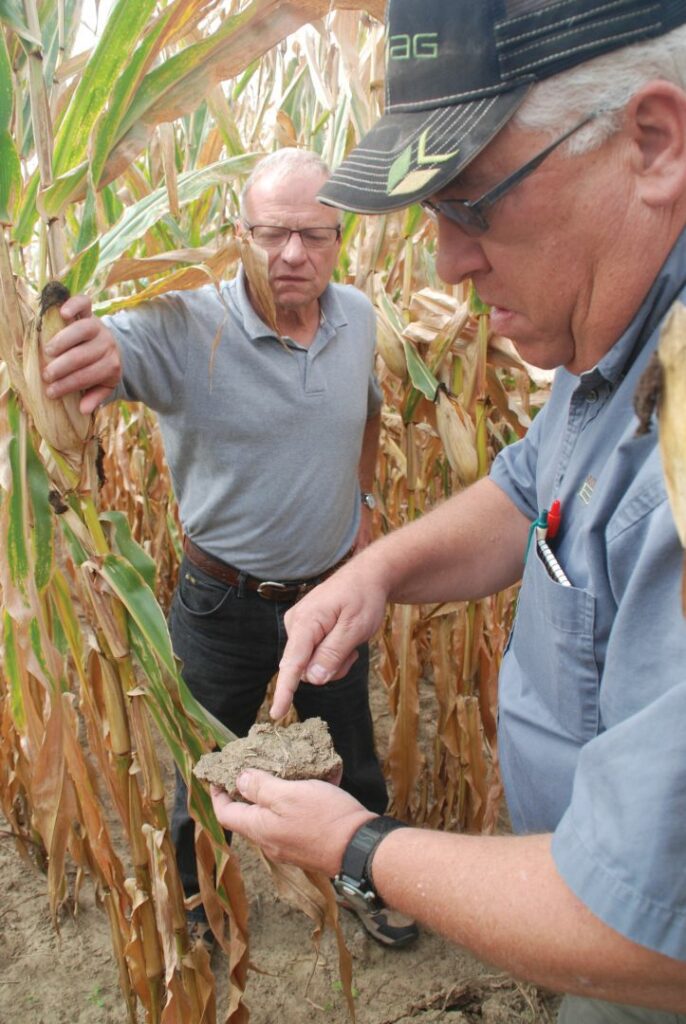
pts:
[119, 174]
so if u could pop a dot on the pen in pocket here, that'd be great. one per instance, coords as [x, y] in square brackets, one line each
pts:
[552, 564]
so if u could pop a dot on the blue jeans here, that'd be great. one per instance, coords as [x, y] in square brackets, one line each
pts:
[230, 641]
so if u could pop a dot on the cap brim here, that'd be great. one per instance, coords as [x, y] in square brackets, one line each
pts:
[408, 156]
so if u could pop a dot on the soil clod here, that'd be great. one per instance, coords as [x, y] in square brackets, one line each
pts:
[300, 751]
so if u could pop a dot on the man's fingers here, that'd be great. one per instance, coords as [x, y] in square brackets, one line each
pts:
[93, 399]
[77, 305]
[287, 682]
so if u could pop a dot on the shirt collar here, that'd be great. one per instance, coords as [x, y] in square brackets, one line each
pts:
[332, 315]
[665, 288]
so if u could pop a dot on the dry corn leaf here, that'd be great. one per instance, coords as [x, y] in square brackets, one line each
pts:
[256, 270]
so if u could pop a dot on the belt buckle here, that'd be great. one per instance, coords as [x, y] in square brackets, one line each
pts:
[271, 585]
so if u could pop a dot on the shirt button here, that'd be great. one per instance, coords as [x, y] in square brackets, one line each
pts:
[592, 396]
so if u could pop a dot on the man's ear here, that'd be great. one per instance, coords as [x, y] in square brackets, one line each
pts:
[656, 121]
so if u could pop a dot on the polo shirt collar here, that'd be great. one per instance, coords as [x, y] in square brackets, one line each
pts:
[333, 316]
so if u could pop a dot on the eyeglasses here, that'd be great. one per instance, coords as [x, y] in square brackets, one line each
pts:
[268, 236]
[469, 214]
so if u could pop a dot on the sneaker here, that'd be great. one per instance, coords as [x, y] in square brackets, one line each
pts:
[200, 931]
[389, 927]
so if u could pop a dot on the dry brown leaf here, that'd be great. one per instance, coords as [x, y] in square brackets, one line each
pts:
[256, 270]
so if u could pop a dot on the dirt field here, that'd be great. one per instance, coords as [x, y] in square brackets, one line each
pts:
[70, 978]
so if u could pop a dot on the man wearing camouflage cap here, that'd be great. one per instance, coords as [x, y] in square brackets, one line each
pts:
[549, 140]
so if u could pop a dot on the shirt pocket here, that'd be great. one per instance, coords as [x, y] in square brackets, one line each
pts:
[553, 643]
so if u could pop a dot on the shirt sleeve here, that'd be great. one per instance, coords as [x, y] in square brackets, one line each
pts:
[154, 340]
[620, 846]
[514, 468]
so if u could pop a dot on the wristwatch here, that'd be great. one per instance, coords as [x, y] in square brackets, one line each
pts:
[368, 499]
[354, 881]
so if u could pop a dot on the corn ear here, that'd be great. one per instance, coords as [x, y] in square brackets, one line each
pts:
[58, 420]
[456, 431]
[390, 348]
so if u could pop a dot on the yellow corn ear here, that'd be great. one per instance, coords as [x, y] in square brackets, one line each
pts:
[59, 421]
[456, 431]
[672, 407]
[390, 348]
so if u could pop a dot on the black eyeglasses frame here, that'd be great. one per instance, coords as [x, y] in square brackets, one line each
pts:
[250, 228]
[468, 214]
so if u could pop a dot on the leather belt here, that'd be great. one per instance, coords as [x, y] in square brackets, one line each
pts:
[270, 590]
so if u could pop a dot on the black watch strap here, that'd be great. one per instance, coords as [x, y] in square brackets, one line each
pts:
[354, 877]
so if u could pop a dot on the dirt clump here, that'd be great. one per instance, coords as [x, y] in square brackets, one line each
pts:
[302, 750]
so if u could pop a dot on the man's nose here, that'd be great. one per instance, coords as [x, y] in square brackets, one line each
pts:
[459, 255]
[294, 251]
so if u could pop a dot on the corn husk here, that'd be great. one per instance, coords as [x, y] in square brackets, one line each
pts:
[457, 434]
[672, 355]
[390, 348]
[672, 403]
[58, 420]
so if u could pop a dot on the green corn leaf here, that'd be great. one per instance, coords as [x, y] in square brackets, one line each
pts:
[137, 219]
[28, 212]
[12, 671]
[64, 606]
[412, 220]
[6, 87]
[476, 306]
[127, 546]
[82, 269]
[111, 56]
[10, 179]
[420, 374]
[42, 534]
[108, 128]
[136, 596]
[16, 539]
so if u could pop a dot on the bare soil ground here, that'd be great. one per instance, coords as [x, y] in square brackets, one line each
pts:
[69, 977]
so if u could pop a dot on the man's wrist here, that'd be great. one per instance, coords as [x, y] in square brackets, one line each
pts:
[354, 881]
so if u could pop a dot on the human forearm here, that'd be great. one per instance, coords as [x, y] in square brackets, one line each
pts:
[369, 452]
[470, 546]
[506, 902]
[499, 896]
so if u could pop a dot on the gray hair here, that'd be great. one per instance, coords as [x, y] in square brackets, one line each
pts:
[604, 83]
[285, 161]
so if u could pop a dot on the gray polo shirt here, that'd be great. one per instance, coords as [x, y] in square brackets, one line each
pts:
[592, 712]
[263, 438]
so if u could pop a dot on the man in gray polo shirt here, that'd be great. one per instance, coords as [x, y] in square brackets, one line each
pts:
[579, 247]
[271, 440]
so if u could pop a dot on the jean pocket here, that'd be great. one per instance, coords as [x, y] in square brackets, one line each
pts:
[200, 594]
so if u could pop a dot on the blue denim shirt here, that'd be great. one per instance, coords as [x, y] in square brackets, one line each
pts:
[592, 705]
